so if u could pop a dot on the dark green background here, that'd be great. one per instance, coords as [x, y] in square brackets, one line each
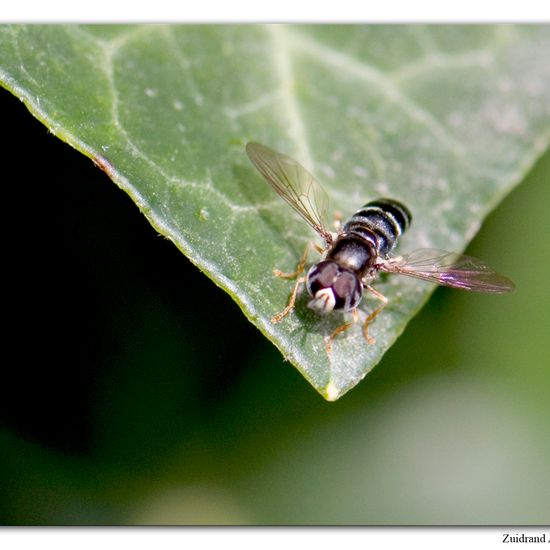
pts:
[134, 390]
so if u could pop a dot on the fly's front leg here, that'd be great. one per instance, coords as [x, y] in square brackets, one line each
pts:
[370, 340]
[337, 221]
[341, 329]
[280, 316]
[299, 268]
[292, 300]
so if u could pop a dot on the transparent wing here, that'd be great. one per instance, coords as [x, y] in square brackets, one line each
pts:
[294, 184]
[449, 269]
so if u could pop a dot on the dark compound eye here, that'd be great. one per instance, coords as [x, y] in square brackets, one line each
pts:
[345, 285]
[321, 275]
[347, 290]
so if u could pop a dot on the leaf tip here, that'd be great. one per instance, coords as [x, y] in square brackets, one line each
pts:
[331, 393]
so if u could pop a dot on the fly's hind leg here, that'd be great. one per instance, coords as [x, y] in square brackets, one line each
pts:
[292, 300]
[370, 340]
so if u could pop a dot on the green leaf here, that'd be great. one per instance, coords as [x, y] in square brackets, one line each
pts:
[447, 119]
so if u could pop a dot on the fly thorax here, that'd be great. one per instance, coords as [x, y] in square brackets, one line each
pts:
[355, 252]
[333, 287]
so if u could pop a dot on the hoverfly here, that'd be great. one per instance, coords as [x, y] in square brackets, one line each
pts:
[352, 256]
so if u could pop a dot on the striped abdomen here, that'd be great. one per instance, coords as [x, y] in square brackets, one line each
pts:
[372, 231]
[383, 219]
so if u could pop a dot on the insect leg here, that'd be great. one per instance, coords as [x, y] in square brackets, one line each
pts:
[337, 220]
[292, 300]
[340, 329]
[319, 249]
[279, 317]
[370, 340]
[299, 267]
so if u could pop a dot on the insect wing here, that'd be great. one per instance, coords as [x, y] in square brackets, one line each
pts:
[294, 184]
[449, 269]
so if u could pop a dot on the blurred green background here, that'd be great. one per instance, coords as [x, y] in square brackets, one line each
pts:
[135, 392]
